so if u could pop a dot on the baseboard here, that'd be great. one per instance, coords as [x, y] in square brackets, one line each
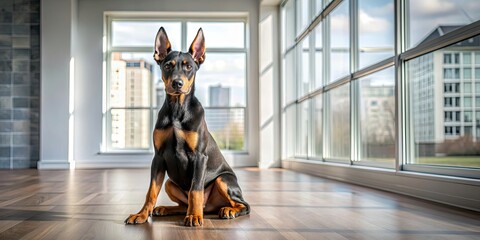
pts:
[55, 164]
[464, 193]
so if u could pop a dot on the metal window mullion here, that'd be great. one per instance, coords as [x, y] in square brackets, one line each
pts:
[312, 75]
[354, 85]
[326, 96]
[404, 145]
[108, 58]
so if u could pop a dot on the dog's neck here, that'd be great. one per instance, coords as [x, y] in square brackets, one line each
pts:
[178, 104]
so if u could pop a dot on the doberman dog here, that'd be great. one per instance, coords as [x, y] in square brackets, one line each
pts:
[199, 178]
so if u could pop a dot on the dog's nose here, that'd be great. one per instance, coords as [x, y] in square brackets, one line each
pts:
[177, 84]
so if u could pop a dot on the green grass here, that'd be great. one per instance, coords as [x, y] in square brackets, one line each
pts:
[457, 161]
[461, 161]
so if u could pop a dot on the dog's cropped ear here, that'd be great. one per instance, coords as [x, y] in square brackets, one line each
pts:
[162, 46]
[197, 49]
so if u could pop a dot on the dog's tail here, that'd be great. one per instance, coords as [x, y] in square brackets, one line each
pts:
[243, 211]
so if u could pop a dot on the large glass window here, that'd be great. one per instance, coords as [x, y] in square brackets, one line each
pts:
[451, 142]
[340, 74]
[135, 90]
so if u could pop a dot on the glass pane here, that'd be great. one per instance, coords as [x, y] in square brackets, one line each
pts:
[130, 128]
[467, 73]
[132, 77]
[289, 92]
[142, 33]
[376, 31]
[318, 56]
[218, 34]
[434, 18]
[304, 66]
[302, 129]
[220, 82]
[377, 118]
[303, 15]
[442, 133]
[227, 127]
[467, 88]
[340, 122]
[289, 123]
[318, 6]
[340, 44]
[318, 127]
[288, 14]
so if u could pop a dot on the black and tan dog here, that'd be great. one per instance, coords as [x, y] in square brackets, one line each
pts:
[200, 180]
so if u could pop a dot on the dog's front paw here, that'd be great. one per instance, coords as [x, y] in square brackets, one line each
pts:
[137, 218]
[228, 213]
[160, 211]
[193, 220]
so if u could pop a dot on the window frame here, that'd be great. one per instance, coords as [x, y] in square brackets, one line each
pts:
[403, 118]
[183, 19]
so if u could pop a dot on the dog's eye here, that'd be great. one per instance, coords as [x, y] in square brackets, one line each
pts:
[188, 67]
[168, 67]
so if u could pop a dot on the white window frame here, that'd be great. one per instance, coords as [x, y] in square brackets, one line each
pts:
[405, 159]
[172, 17]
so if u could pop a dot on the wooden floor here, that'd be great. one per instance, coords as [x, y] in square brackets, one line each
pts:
[92, 204]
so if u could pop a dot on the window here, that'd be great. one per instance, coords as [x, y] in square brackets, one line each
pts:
[455, 147]
[467, 102]
[319, 54]
[339, 126]
[304, 73]
[467, 88]
[302, 129]
[447, 58]
[467, 116]
[452, 87]
[467, 58]
[467, 73]
[377, 121]
[342, 63]
[135, 90]
[318, 127]
[451, 73]
[339, 40]
[375, 43]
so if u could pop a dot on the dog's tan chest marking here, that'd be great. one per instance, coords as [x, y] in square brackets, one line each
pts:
[160, 136]
[190, 137]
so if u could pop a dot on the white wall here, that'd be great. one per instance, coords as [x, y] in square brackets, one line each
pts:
[88, 78]
[58, 19]
[269, 84]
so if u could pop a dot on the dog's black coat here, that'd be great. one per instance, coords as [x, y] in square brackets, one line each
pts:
[184, 148]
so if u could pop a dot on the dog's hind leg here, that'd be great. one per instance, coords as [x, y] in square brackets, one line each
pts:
[226, 198]
[177, 195]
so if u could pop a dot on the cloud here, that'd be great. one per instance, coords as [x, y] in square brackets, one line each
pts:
[340, 22]
[431, 8]
[372, 24]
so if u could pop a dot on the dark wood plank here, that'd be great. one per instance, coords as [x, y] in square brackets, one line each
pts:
[92, 204]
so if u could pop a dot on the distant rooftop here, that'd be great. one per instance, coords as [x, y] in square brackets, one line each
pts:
[442, 30]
